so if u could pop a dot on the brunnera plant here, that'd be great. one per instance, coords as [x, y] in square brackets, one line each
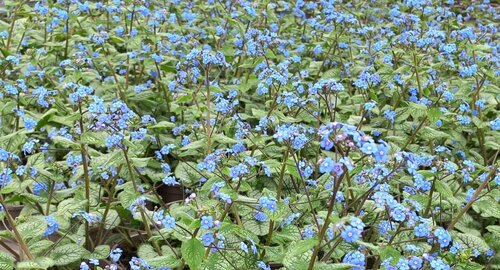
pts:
[167, 134]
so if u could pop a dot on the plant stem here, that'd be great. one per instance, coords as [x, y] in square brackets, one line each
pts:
[83, 152]
[415, 63]
[12, 25]
[429, 202]
[414, 134]
[208, 126]
[324, 228]
[18, 236]
[108, 206]
[473, 198]
[278, 197]
[143, 215]
[66, 46]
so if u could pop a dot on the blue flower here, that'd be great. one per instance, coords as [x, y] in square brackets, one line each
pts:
[52, 226]
[443, 236]
[207, 222]
[398, 213]
[262, 265]
[115, 254]
[369, 148]
[326, 143]
[439, 264]
[119, 31]
[390, 115]
[299, 141]
[168, 222]
[28, 146]
[238, 170]
[415, 262]
[170, 181]
[455, 248]
[139, 264]
[338, 168]
[381, 154]
[351, 234]
[185, 141]
[207, 239]
[260, 216]
[327, 165]
[421, 230]
[243, 247]
[357, 223]
[268, 203]
[29, 123]
[356, 258]
[84, 266]
[468, 71]
[114, 140]
[495, 124]
[318, 50]
[39, 187]
[90, 218]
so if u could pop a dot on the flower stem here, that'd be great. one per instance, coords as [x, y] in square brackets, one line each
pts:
[473, 198]
[18, 236]
[83, 152]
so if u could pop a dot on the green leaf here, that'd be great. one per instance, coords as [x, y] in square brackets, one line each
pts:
[417, 110]
[390, 252]
[65, 142]
[470, 241]
[224, 139]
[12, 141]
[164, 261]
[112, 220]
[192, 252]
[257, 227]
[45, 118]
[487, 208]
[39, 263]
[491, 144]
[429, 133]
[127, 197]
[6, 261]
[140, 162]
[146, 251]
[67, 254]
[10, 187]
[340, 266]
[100, 252]
[29, 265]
[216, 261]
[39, 246]
[494, 229]
[302, 246]
[468, 225]
[434, 114]
[186, 172]
[299, 254]
[68, 207]
[163, 125]
[31, 229]
[443, 189]
[93, 138]
[195, 145]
